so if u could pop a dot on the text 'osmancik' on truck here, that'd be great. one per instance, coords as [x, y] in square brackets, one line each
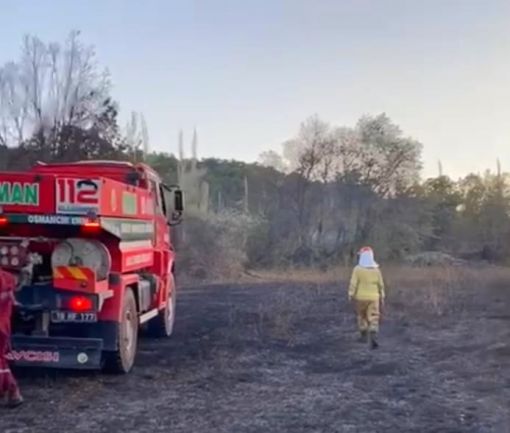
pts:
[91, 243]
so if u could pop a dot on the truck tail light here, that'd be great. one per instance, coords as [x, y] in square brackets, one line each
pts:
[80, 304]
[3, 221]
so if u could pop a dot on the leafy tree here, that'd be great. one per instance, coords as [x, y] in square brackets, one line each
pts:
[442, 198]
[165, 164]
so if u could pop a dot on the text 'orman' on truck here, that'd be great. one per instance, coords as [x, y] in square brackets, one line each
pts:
[91, 244]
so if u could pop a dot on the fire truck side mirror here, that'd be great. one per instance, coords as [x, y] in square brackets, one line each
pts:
[174, 204]
[178, 201]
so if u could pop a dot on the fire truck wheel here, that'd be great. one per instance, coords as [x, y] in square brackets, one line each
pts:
[163, 324]
[121, 361]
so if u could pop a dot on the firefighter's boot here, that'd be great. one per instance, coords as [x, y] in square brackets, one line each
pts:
[363, 336]
[14, 399]
[374, 344]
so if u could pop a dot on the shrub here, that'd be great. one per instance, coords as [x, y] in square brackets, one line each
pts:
[214, 246]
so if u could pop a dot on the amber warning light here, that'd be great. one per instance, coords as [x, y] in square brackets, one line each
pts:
[92, 225]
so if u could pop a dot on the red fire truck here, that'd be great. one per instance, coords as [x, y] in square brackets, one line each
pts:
[91, 244]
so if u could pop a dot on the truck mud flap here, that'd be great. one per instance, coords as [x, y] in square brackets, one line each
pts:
[56, 352]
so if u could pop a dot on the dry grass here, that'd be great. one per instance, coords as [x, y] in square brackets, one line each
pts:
[437, 290]
[405, 275]
[398, 276]
[308, 276]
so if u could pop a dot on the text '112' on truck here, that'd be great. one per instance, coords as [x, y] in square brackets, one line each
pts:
[91, 245]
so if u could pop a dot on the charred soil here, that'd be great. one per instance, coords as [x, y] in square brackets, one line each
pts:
[284, 358]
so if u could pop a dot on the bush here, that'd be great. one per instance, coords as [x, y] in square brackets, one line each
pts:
[214, 246]
[432, 258]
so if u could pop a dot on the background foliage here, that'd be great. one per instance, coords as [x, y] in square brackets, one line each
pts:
[314, 202]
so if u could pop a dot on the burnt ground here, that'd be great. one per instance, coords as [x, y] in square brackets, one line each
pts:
[283, 358]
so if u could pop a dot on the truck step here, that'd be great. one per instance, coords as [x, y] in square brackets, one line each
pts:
[145, 317]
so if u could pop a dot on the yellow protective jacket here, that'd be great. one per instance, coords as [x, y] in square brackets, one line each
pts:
[366, 284]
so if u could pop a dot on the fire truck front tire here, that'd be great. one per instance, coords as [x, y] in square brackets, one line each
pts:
[122, 360]
[163, 324]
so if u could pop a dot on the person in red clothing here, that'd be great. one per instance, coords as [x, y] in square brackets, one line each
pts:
[8, 386]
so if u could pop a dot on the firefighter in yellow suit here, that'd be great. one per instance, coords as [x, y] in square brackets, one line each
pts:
[366, 289]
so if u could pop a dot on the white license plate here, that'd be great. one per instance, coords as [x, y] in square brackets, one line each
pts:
[69, 316]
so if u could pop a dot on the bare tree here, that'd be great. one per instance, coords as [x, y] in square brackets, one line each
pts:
[51, 86]
[341, 179]
[388, 160]
[310, 156]
[144, 136]
[13, 105]
[132, 134]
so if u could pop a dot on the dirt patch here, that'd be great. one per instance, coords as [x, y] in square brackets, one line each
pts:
[283, 358]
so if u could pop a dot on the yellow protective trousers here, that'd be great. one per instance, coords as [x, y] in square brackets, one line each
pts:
[368, 314]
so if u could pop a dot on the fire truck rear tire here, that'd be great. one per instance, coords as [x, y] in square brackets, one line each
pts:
[122, 360]
[163, 324]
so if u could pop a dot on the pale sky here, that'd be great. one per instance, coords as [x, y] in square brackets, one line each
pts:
[247, 72]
